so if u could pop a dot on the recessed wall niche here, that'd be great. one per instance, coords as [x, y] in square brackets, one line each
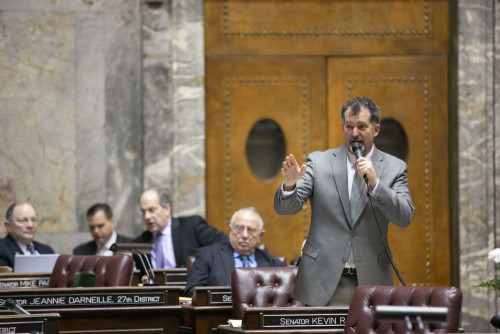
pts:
[265, 149]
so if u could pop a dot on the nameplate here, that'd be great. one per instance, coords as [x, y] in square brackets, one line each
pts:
[221, 298]
[88, 299]
[175, 278]
[42, 282]
[304, 320]
[22, 327]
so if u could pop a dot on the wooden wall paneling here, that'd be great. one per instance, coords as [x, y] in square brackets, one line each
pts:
[326, 27]
[413, 91]
[240, 92]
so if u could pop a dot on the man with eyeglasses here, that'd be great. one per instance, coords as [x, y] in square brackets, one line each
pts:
[213, 264]
[21, 224]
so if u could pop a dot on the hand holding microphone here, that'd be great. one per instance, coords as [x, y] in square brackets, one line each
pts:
[357, 150]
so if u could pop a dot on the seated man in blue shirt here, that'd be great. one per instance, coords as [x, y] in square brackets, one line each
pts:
[21, 224]
[214, 263]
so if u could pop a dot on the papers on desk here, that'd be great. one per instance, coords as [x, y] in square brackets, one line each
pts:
[185, 301]
[235, 323]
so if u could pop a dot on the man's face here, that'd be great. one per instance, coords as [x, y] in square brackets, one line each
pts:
[358, 128]
[155, 217]
[23, 226]
[101, 227]
[245, 232]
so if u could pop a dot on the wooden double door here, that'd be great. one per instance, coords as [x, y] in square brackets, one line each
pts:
[277, 74]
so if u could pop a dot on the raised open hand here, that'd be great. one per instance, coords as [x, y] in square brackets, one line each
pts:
[291, 172]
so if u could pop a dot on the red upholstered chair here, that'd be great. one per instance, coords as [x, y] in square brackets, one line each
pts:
[116, 270]
[366, 298]
[262, 287]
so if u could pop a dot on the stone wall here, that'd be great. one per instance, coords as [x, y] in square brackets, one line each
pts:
[478, 156]
[101, 99]
[71, 119]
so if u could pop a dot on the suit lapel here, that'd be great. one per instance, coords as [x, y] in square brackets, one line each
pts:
[378, 162]
[377, 159]
[93, 247]
[227, 258]
[176, 239]
[261, 259]
[339, 170]
[14, 247]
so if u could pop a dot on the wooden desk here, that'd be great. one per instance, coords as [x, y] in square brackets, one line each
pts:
[46, 323]
[170, 277]
[152, 309]
[273, 320]
[210, 307]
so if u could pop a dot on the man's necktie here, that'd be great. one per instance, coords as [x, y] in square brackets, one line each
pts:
[31, 249]
[244, 261]
[356, 191]
[157, 256]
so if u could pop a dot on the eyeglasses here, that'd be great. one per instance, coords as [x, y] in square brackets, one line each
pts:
[241, 228]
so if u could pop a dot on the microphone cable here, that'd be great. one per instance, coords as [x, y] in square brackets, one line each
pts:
[384, 242]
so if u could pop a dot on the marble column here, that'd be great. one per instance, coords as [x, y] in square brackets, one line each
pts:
[478, 157]
[174, 110]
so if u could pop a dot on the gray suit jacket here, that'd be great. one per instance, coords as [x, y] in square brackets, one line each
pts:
[332, 233]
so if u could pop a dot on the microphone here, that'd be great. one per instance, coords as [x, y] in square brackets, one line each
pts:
[356, 149]
[495, 321]
[15, 307]
[149, 267]
[142, 267]
[147, 274]
[141, 260]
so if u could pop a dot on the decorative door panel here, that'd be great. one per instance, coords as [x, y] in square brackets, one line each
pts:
[254, 107]
[412, 93]
[326, 27]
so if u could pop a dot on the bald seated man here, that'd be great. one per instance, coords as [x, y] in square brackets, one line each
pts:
[213, 264]
[172, 239]
[21, 223]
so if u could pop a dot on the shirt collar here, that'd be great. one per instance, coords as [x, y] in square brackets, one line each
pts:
[167, 230]
[251, 257]
[23, 247]
[110, 241]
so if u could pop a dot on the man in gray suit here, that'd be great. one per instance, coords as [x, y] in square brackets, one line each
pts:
[344, 246]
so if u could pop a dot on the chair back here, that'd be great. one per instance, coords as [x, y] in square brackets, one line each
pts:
[262, 287]
[116, 270]
[366, 298]
[189, 262]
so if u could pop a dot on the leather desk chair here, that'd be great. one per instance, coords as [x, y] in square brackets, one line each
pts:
[262, 287]
[189, 262]
[366, 298]
[116, 270]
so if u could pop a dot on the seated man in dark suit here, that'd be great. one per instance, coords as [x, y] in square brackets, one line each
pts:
[213, 264]
[172, 239]
[21, 224]
[102, 228]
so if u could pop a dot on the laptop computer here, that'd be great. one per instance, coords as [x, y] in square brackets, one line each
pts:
[42, 263]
